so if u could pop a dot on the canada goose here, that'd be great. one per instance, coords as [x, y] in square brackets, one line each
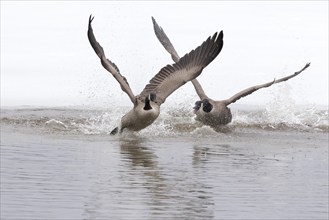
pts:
[147, 104]
[208, 111]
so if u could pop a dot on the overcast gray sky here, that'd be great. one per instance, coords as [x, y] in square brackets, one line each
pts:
[46, 58]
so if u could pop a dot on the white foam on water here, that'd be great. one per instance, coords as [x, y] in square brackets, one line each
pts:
[56, 125]
[278, 114]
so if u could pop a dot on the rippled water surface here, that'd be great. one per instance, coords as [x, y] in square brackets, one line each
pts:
[61, 164]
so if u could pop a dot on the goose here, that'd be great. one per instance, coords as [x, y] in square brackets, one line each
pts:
[214, 113]
[147, 104]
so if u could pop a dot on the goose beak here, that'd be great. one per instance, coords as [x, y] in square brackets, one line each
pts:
[205, 105]
[197, 106]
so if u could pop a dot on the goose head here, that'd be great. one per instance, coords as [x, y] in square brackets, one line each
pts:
[148, 99]
[204, 105]
[213, 113]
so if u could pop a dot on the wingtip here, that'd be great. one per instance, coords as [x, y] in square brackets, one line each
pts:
[153, 21]
[221, 34]
[155, 24]
[91, 18]
[217, 37]
[305, 67]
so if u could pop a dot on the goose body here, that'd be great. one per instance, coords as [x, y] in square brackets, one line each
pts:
[214, 113]
[138, 118]
[147, 104]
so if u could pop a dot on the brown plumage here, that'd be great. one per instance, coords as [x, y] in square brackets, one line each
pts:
[208, 111]
[147, 104]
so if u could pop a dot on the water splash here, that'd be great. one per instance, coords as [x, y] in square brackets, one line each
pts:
[284, 110]
[98, 124]
[56, 125]
[277, 115]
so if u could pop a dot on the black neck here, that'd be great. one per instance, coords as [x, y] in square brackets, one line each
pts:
[147, 105]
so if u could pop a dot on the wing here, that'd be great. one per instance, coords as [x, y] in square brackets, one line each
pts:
[187, 68]
[292, 75]
[107, 64]
[164, 40]
[198, 88]
[255, 88]
[246, 92]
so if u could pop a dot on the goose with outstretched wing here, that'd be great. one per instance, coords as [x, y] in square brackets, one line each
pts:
[208, 111]
[147, 104]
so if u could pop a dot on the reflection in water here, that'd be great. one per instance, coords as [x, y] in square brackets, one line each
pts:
[167, 194]
[144, 172]
[202, 153]
[139, 155]
[236, 176]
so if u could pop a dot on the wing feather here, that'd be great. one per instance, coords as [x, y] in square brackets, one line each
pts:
[246, 92]
[164, 40]
[107, 64]
[190, 66]
[252, 89]
[292, 75]
[161, 35]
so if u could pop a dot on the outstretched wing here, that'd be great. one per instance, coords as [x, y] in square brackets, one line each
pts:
[292, 75]
[107, 64]
[187, 68]
[255, 88]
[164, 40]
[246, 92]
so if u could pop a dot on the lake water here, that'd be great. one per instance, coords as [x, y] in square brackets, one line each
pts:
[60, 163]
